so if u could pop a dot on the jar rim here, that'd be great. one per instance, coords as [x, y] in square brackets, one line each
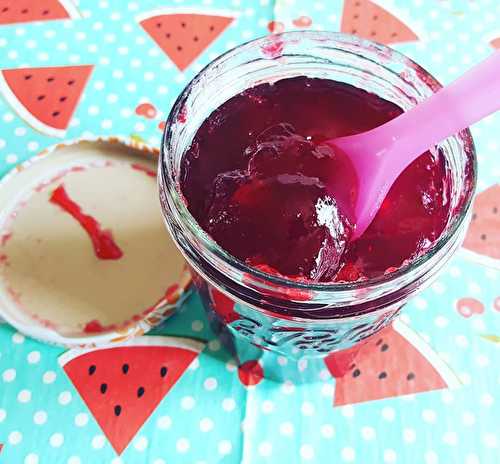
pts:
[207, 241]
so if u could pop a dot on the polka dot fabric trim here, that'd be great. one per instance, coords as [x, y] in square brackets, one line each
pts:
[133, 85]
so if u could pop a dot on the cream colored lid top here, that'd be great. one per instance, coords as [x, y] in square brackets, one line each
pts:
[50, 269]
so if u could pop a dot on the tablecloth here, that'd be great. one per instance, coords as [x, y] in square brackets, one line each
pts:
[210, 415]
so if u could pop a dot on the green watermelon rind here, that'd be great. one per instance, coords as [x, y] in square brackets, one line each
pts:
[25, 114]
[174, 11]
[152, 340]
[445, 372]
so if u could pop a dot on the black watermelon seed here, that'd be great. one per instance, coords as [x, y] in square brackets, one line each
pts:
[379, 342]
[375, 17]
[104, 388]
[474, 216]
[382, 375]
[24, 11]
[410, 376]
[163, 371]
[179, 48]
[71, 82]
[92, 370]
[483, 236]
[40, 97]
[118, 410]
[384, 347]
[212, 28]
[125, 368]
[56, 113]
[495, 210]
[28, 77]
[45, 12]
[373, 33]
[195, 39]
[50, 79]
[5, 9]
[183, 24]
[63, 99]
[356, 373]
[352, 366]
[167, 35]
[394, 34]
[158, 25]
[140, 392]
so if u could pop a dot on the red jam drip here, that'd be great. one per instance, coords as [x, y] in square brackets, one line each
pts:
[256, 179]
[144, 169]
[102, 240]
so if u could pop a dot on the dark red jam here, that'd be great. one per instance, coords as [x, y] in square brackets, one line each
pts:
[256, 179]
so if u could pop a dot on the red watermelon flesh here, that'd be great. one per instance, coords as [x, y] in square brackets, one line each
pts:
[23, 11]
[184, 36]
[391, 363]
[223, 306]
[370, 21]
[123, 384]
[45, 97]
[483, 236]
[495, 43]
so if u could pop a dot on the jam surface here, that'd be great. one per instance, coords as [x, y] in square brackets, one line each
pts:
[256, 178]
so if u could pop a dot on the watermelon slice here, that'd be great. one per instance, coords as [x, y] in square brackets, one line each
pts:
[394, 362]
[122, 384]
[368, 20]
[223, 306]
[482, 241]
[23, 11]
[184, 35]
[45, 98]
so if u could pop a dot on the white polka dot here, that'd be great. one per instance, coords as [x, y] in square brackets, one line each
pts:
[56, 440]
[197, 326]
[228, 404]
[49, 377]
[2, 143]
[104, 60]
[472, 458]
[64, 398]
[74, 460]
[347, 411]
[62, 46]
[307, 452]
[465, 378]
[3, 42]
[15, 437]
[441, 322]
[164, 422]
[265, 448]
[43, 56]
[447, 397]
[214, 345]
[429, 416]
[482, 360]
[286, 428]
[327, 431]
[107, 124]
[420, 303]
[141, 443]
[224, 447]
[267, 406]
[187, 403]
[159, 461]
[8, 117]
[210, 383]
[368, 433]
[450, 438]
[302, 365]
[9, 375]
[31, 458]
[40, 417]
[162, 90]
[98, 441]
[307, 408]
[431, 457]
[390, 455]
[131, 87]
[93, 110]
[462, 341]
[32, 146]
[81, 419]
[3, 415]
[24, 396]
[288, 387]
[468, 418]
[18, 338]
[117, 74]
[409, 435]
[388, 413]
[149, 76]
[328, 390]
[348, 454]
[12, 55]
[231, 365]
[99, 85]
[490, 440]
[11, 158]
[33, 357]
[487, 400]
[182, 445]
[206, 424]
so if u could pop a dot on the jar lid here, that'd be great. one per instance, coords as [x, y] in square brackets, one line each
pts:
[85, 257]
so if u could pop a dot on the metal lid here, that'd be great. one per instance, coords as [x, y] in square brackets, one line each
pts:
[84, 255]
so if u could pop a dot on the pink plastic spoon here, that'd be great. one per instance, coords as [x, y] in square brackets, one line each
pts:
[380, 155]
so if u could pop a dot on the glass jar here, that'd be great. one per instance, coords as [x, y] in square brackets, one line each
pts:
[259, 315]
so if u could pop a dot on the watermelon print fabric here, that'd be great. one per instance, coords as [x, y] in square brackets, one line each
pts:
[430, 393]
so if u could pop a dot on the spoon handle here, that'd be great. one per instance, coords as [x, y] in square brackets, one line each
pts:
[465, 101]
